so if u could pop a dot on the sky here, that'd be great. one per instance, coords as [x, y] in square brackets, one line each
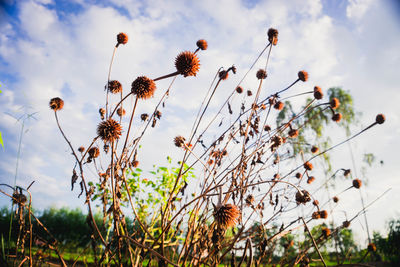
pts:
[54, 48]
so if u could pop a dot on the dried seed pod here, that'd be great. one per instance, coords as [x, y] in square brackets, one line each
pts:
[249, 93]
[303, 76]
[293, 133]
[261, 74]
[179, 141]
[94, 152]
[380, 118]
[315, 202]
[249, 200]
[135, 163]
[346, 172]
[335, 199]
[109, 130]
[273, 36]
[337, 117]
[239, 89]
[226, 215]
[267, 128]
[122, 38]
[308, 166]
[121, 112]
[303, 197]
[143, 87]
[56, 104]
[314, 150]
[81, 149]
[346, 224]
[298, 175]
[357, 183]
[223, 75]
[144, 116]
[318, 93]
[279, 105]
[310, 179]
[326, 232]
[315, 215]
[102, 112]
[187, 63]
[334, 103]
[323, 214]
[371, 247]
[114, 87]
[202, 44]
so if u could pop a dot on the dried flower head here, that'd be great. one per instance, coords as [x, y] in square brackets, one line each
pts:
[226, 215]
[298, 175]
[249, 93]
[94, 152]
[334, 103]
[114, 87]
[357, 183]
[273, 36]
[276, 141]
[303, 197]
[81, 149]
[249, 200]
[326, 232]
[315, 215]
[314, 149]
[179, 141]
[187, 63]
[335, 199]
[102, 112]
[143, 87]
[239, 89]
[121, 112]
[202, 44]
[135, 163]
[337, 117]
[261, 74]
[144, 116]
[310, 179]
[308, 166]
[346, 172]
[293, 133]
[318, 93]
[279, 105]
[380, 118]
[56, 104]
[18, 198]
[223, 74]
[122, 38]
[315, 202]
[346, 224]
[303, 75]
[324, 214]
[371, 247]
[267, 128]
[109, 130]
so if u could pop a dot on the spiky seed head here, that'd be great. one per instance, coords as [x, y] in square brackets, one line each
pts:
[144, 116]
[357, 183]
[276, 141]
[202, 44]
[371, 247]
[334, 103]
[143, 87]
[308, 166]
[337, 117]
[81, 149]
[261, 74]
[121, 112]
[226, 215]
[239, 89]
[293, 133]
[279, 105]
[318, 93]
[326, 232]
[122, 38]
[114, 87]
[303, 197]
[380, 118]
[273, 36]
[223, 75]
[56, 103]
[315, 215]
[187, 63]
[179, 141]
[324, 214]
[109, 130]
[335, 199]
[346, 224]
[315, 202]
[303, 75]
[94, 152]
[298, 175]
[249, 93]
[310, 179]
[314, 149]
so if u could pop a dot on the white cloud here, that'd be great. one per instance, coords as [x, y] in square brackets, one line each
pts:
[356, 9]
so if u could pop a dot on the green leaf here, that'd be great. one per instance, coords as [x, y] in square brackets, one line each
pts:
[1, 141]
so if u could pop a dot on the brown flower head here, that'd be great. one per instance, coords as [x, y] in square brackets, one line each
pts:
[279, 105]
[249, 200]
[380, 118]
[334, 103]
[337, 117]
[94, 152]
[18, 198]
[318, 93]
[202, 44]
[109, 130]
[102, 112]
[226, 215]
[310, 179]
[249, 93]
[276, 141]
[335, 199]
[308, 166]
[261, 74]
[273, 36]
[144, 116]
[314, 149]
[121, 112]
[324, 214]
[371, 247]
[187, 63]
[179, 141]
[326, 232]
[267, 128]
[315, 215]
[346, 172]
[346, 224]
[303, 75]
[293, 133]
[114, 87]
[223, 74]
[239, 89]
[315, 202]
[303, 197]
[143, 87]
[357, 183]
[122, 38]
[135, 163]
[81, 149]
[56, 103]
[298, 175]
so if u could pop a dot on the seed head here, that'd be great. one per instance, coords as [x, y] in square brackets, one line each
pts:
[81, 149]
[314, 150]
[267, 128]
[371, 247]
[335, 199]
[94, 152]
[279, 105]
[239, 89]
[144, 116]
[202, 44]
[308, 166]
[303, 197]
[261, 74]
[249, 200]
[273, 36]
[223, 75]
[226, 215]
[357, 183]
[337, 117]
[324, 214]
[334, 103]
[315, 202]
[102, 112]
[114, 87]
[249, 93]
[18, 198]
[122, 38]
[346, 224]
[298, 175]
[187, 63]
[109, 130]
[318, 93]
[310, 179]
[380, 118]
[293, 133]
[56, 104]
[143, 87]
[121, 112]
[315, 215]
[135, 163]
[303, 75]
[179, 141]
[326, 232]
[346, 172]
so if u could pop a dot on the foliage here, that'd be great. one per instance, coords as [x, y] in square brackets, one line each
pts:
[389, 246]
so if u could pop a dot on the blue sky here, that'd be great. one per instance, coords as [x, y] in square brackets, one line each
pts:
[62, 48]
